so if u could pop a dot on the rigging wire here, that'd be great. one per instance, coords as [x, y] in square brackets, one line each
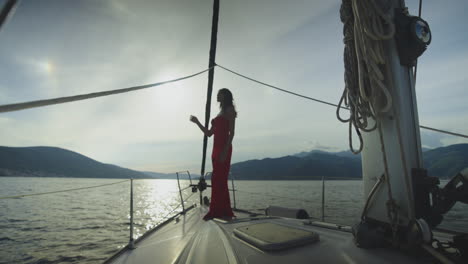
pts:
[67, 99]
[277, 88]
[41, 103]
[444, 131]
[324, 102]
[67, 190]
[7, 10]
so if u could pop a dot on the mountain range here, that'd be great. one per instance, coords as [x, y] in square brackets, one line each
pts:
[57, 162]
[443, 162]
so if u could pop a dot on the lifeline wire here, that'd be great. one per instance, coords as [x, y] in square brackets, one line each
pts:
[277, 196]
[67, 99]
[164, 218]
[68, 190]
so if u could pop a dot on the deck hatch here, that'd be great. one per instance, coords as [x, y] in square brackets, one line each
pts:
[272, 237]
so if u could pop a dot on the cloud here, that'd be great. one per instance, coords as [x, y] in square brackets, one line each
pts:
[111, 44]
[315, 145]
[432, 139]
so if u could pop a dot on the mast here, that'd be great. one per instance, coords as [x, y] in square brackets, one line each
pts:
[379, 64]
[211, 64]
[396, 142]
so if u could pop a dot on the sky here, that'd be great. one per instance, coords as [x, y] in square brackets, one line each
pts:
[60, 48]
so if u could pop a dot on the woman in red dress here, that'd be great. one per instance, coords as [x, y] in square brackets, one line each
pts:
[222, 127]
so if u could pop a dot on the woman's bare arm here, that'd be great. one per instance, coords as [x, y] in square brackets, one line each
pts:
[206, 131]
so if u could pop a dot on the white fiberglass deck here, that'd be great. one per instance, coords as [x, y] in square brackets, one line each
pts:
[189, 239]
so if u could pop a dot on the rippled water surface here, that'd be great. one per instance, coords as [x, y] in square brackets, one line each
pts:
[88, 226]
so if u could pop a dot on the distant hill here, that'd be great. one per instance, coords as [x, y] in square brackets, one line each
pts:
[57, 162]
[306, 167]
[345, 153]
[441, 162]
[445, 162]
[172, 176]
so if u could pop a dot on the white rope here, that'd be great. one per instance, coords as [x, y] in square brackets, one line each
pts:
[366, 25]
[369, 31]
[67, 99]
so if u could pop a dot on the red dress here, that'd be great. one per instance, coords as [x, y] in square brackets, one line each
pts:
[220, 206]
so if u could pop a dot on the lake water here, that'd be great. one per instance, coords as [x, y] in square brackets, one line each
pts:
[90, 225]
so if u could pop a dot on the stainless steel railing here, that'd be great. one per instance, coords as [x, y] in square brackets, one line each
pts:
[196, 187]
[323, 198]
[131, 243]
[323, 207]
[233, 190]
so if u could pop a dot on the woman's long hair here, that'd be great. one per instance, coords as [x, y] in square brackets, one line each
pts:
[227, 101]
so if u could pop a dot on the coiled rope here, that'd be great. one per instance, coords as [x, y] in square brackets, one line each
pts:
[67, 190]
[369, 24]
[365, 26]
